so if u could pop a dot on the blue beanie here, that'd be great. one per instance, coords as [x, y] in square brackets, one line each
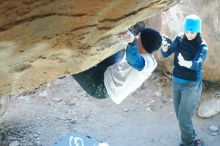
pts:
[192, 23]
[151, 39]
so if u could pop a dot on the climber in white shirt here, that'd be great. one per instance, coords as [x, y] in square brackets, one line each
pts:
[122, 73]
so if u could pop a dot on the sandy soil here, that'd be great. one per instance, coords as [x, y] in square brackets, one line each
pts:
[145, 118]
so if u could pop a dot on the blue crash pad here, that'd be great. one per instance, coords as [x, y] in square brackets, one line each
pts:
[75, 139]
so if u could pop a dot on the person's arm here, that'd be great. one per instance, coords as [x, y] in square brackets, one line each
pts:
[198, 61]
[134, 58]
[168, 46]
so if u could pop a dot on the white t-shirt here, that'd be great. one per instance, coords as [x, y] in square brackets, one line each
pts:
[121, 79]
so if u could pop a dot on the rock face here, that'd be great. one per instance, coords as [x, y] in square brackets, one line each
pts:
[210, 15]
[44, 39]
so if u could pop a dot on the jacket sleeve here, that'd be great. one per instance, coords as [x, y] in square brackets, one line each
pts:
[134, 58]
[171, 47]
[198, 61]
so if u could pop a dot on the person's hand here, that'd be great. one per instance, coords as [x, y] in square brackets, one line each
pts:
[164, 46]
[183, 62]
[166, 41]
[126, 36]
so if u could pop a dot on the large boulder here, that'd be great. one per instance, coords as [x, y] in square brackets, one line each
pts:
[44, 39]
[209, 108]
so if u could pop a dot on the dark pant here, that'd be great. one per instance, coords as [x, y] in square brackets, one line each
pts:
[92, 80]
[185, 99]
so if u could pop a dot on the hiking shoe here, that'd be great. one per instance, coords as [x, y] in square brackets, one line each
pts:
[4, 102]
[198, 142]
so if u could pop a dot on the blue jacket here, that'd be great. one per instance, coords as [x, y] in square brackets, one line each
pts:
[191, 51]
[134, 58]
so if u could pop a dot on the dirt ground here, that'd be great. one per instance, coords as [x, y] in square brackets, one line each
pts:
[145, 118]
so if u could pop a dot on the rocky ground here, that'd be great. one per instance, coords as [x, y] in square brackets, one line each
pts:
[146, 118]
